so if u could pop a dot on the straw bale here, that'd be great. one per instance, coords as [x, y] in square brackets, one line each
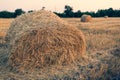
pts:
[86, 18]
[41, 39]
[28, 21]
[105, 16]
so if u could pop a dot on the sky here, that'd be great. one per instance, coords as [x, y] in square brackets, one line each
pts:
[58, 5]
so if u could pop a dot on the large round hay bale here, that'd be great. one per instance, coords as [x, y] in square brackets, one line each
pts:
[86, 18]
[28, 21]
[44, 40]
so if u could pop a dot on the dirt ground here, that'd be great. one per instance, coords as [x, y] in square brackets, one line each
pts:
[101, 62]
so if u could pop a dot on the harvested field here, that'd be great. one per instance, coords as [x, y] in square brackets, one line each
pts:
[102, 61]
[4, 25]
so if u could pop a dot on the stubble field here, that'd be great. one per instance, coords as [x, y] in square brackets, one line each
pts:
[102, 53]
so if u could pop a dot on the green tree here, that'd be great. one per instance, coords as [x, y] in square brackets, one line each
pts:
[6, 14]
[101, 13]
[68, 11]
[18, 12]
[110, 12]
[78, 14]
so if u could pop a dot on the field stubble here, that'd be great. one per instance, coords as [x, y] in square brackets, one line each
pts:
[103, 53]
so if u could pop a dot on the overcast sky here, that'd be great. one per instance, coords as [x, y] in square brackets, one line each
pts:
[58, 5]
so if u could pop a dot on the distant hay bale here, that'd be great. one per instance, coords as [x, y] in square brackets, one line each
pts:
[86, 18]
[42, 39]
[105, 16]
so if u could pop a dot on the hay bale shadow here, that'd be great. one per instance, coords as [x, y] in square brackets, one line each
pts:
[115, 52]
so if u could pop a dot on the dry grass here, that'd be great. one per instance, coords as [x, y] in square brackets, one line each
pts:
[103, 51]
[4, 25]
[100, 33]
[102, 36]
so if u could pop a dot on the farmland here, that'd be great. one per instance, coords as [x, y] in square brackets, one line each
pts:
[102, 37]
[4, 25]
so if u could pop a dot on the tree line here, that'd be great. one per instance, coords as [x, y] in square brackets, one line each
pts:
[7, 14]
[68, 12]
